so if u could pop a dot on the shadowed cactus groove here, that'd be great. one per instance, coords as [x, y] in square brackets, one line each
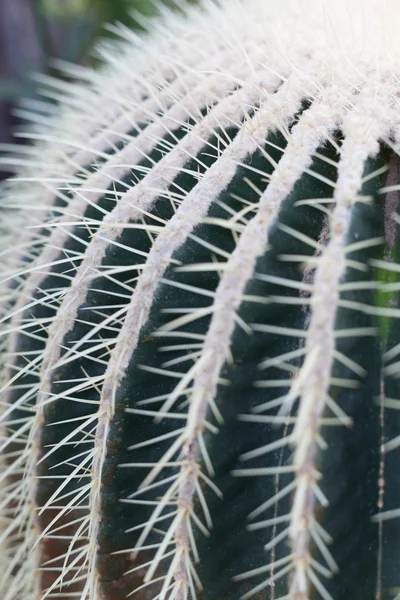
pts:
[200, 339]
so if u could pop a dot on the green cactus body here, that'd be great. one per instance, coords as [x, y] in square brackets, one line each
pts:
[200, 314]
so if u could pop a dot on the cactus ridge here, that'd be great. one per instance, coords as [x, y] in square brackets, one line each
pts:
[199, 313]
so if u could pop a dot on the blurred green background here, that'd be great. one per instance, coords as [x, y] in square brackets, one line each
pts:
[32, 32]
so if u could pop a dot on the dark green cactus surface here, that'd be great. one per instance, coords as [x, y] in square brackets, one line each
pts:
[200, 304]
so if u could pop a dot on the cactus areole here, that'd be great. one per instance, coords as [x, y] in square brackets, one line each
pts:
[200, 302]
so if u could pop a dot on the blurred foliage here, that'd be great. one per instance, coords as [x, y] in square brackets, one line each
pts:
[9, 89]
[58, 8]
[107, 10]
[69, 30]
[84, 21]
[33, 32]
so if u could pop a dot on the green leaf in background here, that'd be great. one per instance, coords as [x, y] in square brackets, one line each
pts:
[106, 11]
[74, 26]
[9, 90]
[65, 9]
[59, 29]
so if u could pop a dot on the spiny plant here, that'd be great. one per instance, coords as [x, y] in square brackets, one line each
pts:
[200, 313]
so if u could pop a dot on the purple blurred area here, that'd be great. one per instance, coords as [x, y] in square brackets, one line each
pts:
[20, 53]
[34, 32]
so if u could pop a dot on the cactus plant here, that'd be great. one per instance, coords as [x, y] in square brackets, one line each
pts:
[200, 313]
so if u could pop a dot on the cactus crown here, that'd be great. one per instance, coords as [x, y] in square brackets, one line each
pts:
[200, 313]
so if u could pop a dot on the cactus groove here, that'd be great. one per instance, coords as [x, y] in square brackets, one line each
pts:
[199, 313]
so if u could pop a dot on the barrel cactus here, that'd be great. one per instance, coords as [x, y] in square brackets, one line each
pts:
[200, 313]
